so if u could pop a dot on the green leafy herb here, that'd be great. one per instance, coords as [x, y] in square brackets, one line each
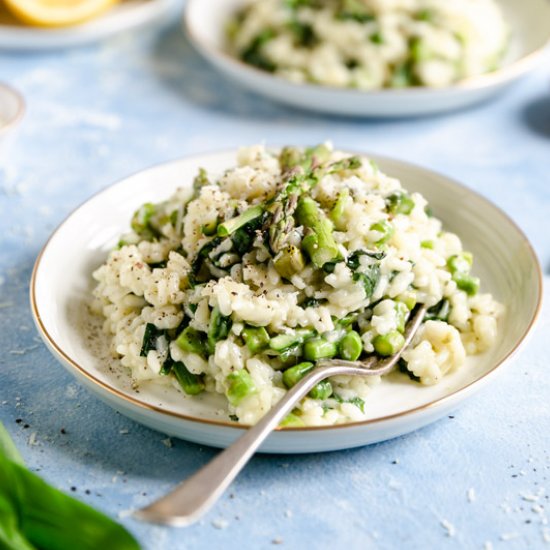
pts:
[35, 515]
[369, 279]
[218, 330]
[150, 337]
[304, 34]
[439, 312]
[311, 302]
[354, 10]
[353, 260]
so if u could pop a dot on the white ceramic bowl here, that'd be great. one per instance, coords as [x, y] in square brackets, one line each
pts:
[61, 284]
[12, 109]
[128, 15]
[205, 22]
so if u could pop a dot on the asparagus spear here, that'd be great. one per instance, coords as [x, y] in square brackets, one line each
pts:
[292, 157]
[319, 242]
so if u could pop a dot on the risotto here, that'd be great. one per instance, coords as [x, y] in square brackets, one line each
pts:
[370, 44]
[286, 259]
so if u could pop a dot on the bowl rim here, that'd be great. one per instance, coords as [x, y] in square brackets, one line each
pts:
[74, 364]
[12, 122]
[503, 74]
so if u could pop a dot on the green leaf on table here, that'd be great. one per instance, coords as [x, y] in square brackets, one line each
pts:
[35, 515]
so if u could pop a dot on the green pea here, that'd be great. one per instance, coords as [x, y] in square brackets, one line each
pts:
[460, 263]
[319, 348]
[350, 346]
[322, 390]
[467, 283]
[292, 420]
[400, 203]
[388, 344]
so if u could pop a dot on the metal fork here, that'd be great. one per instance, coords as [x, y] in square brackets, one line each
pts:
[192, 498]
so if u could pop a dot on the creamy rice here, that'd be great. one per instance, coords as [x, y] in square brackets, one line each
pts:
[370, 44]
[281, 261]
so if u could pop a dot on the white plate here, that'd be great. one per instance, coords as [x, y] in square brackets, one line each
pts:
[129, 14]
[61, 284]
[205, 22]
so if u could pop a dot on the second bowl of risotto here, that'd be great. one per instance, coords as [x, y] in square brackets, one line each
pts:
[371, 57]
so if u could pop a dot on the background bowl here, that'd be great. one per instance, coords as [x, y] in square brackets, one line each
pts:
[61, 284]
[125, 16]
[12, 109]
[205, 23]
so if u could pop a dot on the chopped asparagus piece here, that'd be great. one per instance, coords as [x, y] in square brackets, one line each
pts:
[240, 385]
[337, 212]
[294, 374]
[385, 229]
[191, 384]
[256, 338]
[192, 341]
[319, 348]
[282, 342]
[230, 226]
[289, 261]
[401, 314]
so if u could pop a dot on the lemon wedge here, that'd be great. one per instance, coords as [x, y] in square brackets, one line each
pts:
[57, 13]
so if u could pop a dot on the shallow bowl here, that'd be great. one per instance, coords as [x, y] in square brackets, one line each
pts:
[61, 285]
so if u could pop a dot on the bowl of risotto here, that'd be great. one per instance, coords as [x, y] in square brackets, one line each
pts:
[371, 57]
[197, 293]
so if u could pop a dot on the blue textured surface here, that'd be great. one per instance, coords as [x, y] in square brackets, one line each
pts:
[100, 113]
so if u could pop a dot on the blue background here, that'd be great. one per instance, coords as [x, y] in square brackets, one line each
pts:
[99, 113]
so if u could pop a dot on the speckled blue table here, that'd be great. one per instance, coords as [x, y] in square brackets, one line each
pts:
[477, 479]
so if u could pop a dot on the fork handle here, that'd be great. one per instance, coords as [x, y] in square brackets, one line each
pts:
[194, 496]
